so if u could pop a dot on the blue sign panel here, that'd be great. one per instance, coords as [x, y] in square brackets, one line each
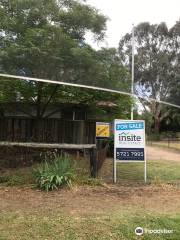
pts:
[130, 126]
[134, 154]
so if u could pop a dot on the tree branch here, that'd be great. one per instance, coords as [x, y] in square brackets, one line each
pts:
[49, 100]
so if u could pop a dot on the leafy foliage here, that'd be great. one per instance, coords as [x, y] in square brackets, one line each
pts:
[46, 39]
[55, 174]
[156, 66]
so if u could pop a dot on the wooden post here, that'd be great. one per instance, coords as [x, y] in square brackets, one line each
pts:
[77, 154]
[93, 162]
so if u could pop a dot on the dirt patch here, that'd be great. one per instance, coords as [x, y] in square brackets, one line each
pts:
[158, 153]
[85, 200]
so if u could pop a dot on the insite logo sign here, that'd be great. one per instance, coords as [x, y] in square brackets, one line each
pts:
[128, 137]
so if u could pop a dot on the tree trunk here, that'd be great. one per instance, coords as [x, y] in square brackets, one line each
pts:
[157, 123]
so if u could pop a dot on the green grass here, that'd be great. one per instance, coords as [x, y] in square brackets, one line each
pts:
[157, 171]
[55, 225]
[52, 227]
[18, 176]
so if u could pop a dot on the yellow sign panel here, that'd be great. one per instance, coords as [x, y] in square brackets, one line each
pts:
[102, 130]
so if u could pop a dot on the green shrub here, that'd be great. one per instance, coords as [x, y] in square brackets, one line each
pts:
[55, 174]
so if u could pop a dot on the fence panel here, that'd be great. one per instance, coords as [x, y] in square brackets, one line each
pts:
[47, 131]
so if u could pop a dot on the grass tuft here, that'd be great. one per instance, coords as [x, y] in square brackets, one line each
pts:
[57, 173]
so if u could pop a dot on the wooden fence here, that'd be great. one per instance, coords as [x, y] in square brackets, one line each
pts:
[47, 131]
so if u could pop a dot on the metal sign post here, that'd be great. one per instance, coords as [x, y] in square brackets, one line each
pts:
[129, 143]
[132, 77]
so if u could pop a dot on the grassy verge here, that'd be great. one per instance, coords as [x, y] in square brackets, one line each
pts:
[56, 225]
[16, 226]
[18, 176]
[157, 171]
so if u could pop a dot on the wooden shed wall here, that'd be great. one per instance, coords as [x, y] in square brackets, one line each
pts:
[47, 130]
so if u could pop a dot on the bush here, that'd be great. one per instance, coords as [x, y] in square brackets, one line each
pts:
[55, 174]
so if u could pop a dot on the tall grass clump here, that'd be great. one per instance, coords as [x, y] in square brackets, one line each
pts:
[55, 174]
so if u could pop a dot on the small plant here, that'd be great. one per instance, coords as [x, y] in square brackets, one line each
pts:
[55, 174]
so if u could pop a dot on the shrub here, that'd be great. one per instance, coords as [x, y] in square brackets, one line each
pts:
[55, 174]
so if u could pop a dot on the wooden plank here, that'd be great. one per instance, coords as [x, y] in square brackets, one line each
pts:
[47, 145]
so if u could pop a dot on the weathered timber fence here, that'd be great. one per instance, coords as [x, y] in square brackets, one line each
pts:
[47, 131]
[23, 140]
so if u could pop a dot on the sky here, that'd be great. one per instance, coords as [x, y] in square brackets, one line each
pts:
[124, 13]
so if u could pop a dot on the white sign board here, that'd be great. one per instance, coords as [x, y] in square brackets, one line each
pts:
[129, 142]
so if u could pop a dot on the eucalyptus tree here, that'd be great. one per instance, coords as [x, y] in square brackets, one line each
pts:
[155, 66]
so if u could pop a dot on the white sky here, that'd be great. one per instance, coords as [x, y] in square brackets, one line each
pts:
[123, 13]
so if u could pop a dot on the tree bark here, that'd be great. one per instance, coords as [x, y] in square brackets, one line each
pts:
[157, 123]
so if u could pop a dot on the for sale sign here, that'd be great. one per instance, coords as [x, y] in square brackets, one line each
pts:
[129, 140]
